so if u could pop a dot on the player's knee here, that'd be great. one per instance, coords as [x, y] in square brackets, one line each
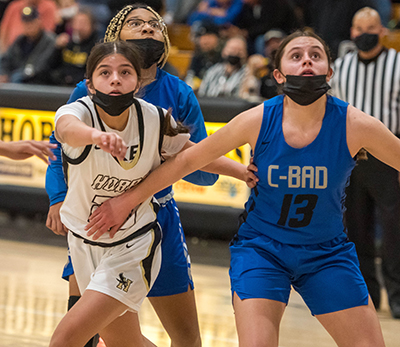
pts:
[190, 338]
[187, 341]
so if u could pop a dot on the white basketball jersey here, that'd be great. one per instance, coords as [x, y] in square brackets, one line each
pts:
[94, 175]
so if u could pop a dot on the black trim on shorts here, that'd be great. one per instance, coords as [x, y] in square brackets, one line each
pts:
[148, 261]
[137, 233]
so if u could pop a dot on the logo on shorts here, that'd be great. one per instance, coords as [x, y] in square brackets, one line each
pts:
[123, 283]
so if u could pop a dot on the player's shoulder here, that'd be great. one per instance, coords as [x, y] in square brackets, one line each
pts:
[148, 108]
[175, 82]
[78, 107]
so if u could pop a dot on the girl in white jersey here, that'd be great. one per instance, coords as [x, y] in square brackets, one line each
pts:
[303, 143]
[111, 141]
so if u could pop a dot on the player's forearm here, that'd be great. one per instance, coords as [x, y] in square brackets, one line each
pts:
[5, 150]
[165, 175]
[74, 132]
[227, 167]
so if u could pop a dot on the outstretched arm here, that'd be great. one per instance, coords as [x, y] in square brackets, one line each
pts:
[56, 187]
[24, 149]
[75, 133]
[242, 129]
[229, 167]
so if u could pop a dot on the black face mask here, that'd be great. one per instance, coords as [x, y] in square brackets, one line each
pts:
[365, 42]
[113, 105]
[234, 60]
[152, 51]
[304, 90]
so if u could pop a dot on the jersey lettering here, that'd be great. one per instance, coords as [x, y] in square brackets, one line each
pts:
[313, 177]
[114, 184]
[133, 151]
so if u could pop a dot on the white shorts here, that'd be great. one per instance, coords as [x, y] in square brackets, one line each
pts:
[125, 272]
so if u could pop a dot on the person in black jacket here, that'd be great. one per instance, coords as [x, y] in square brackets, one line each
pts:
[207, 53]
[259, 16]
[68, 62]
[26, 59]
[157, 5]
[331, 19]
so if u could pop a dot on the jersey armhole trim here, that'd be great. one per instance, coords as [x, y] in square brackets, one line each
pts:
[85, 153]
[162, 120]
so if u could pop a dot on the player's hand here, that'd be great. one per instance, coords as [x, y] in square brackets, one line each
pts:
[108, 217]
[251, 178]
[20, 150]
[110, 143]
[53, 221]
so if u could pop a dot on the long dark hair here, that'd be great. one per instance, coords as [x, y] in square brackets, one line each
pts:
[131, 53]
[102, 50]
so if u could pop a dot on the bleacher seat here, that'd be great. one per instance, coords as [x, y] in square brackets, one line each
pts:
[179, 35]
[180, 60]
[392, 39]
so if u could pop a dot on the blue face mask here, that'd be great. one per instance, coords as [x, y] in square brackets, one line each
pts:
[113, 105]
[304, 90]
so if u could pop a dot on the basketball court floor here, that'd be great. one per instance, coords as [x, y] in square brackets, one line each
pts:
[33, 297]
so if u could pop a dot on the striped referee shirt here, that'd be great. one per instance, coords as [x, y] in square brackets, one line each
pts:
[372, 86]
[217, 83]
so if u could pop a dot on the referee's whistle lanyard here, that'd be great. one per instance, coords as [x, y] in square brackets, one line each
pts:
[304, 90]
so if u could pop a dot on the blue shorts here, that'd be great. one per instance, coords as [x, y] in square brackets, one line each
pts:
[175, 272]
[326, 275]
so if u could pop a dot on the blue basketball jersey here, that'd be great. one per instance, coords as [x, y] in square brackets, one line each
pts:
[299, 197]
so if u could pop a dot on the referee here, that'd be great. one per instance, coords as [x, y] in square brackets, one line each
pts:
[370, 80]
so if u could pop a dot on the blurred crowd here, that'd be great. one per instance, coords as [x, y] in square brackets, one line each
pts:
[234, 41]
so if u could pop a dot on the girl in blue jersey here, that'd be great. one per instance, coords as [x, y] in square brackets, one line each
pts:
[303, 143]
[172, 294]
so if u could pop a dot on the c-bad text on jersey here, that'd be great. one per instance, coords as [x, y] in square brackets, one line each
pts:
[313, 177]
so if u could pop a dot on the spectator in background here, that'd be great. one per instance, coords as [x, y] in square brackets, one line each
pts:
[156, 5]
[331, 19]
[207, 53]
[260, 16]
[3, 6]
[66, 10]
[224, 79]
[369, 80]
[11, 25]
[68, 62]
[255, 68]
[220, 12]
[178, 11]
[26, 61]
[272, 40]
[100, 10]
